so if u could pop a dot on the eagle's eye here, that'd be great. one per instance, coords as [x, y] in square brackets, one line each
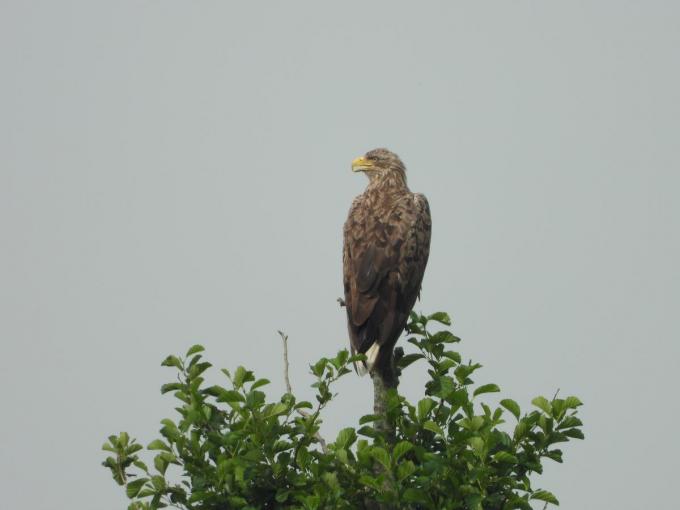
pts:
[377, 158]
[382, 158]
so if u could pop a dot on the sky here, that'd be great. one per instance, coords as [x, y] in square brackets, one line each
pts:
[175, 173]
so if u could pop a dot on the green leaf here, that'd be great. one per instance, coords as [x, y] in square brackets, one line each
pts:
[433, 427]
[214, 391]
[409, 358]
[367, 431]
[194, 349]
[511, 406]
[144, 493]
[545, 496]
[367, 418]
[230, 396]
[486, 388]
[340, 359]
[416, 342]
[258, 383]
[545, 423]
[109, 448]
[463, 371]
[452, 355]
[303, 404]
[342, 455]
[331, 480]
[198, 369]
[424, 407]
[572, 402]
[302, 458]
[478, 445]
[242, 376]
[473, 424]
[346, 438]
[555, 455]
[133, 448]
[139, 464]
[569, 421]
[445, 365]
[400, 449]
[134, 487]
[505, 457]
[381, 455]
[369, 481]
[282, 495]
[319, 367]
[276, 410]
[558, 408]
[543, 404]
[575, 433]
[161, 463]
[474, 502]
[157, 444]
[412, 495]
[520, 430]
[171, 387]
[405, 469]
[441, 317]
[158, 482]
[356, 357]
[169, 423]
[444, 337]
[172, 361]
[416, 317]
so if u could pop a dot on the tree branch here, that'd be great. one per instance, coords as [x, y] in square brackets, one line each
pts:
[284, 337]
[383, 381]
[302, 412]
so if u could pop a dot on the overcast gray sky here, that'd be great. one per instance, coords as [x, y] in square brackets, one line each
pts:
[179, 172]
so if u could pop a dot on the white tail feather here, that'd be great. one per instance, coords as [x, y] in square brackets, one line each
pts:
[371, 357]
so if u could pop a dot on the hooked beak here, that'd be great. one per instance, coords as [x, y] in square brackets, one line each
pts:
[361, 164]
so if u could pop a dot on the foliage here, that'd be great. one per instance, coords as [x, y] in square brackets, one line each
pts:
[232, 448]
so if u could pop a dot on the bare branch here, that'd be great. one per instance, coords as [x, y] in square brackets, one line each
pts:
[302, 412]
[284, 337]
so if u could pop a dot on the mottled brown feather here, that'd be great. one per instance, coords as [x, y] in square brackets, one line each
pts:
[386, 247]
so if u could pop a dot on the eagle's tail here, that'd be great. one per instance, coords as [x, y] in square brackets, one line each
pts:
[371, 356]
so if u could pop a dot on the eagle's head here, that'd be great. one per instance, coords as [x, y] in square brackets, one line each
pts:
[380, 164]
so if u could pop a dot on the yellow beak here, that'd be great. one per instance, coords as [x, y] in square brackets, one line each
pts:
[361, 164]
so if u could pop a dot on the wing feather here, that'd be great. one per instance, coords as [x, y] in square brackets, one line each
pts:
[384, 258]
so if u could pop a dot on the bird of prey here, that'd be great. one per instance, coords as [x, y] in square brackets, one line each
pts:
[386, 246]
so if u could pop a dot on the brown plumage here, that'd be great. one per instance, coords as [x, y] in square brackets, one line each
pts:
[386, 246]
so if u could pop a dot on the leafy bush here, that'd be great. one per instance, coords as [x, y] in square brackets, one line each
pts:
[234, 449]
